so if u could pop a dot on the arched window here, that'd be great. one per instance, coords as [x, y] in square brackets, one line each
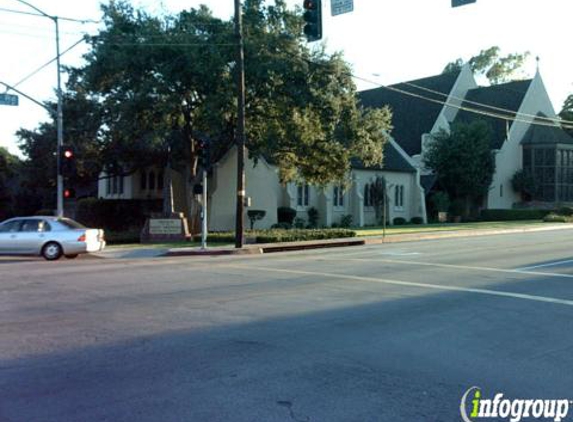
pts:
[151, 180]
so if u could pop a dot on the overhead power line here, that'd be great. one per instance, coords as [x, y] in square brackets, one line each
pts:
[21, 81]
[510, 115]
[505, 110]
[22, 12]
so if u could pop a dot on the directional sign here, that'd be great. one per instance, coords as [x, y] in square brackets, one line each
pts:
[8, 99]
[338, 7]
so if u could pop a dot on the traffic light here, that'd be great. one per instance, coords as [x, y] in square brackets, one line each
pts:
[457, 3]
[313, 20]
[204, 154]
[69, 193]
[68, 161]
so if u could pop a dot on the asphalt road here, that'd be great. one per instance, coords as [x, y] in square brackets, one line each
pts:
[380, 333]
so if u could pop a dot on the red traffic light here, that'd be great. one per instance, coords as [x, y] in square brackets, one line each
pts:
[309, 4]
[68, 153]
[69, 193]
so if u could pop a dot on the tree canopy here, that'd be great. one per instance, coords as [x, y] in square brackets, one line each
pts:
[491, 64]
[463, 161]
[567, 113]
[163, 82]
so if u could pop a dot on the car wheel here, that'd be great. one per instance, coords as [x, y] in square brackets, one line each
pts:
[72, 256]
[52, 251]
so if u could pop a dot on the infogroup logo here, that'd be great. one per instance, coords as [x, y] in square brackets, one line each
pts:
[474, 407]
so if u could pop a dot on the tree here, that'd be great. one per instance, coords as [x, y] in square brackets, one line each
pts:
[463, 161]
[9, 166]
[496, 68]
[82, 125]
[567, 114]
[524, 183]
[164, 82]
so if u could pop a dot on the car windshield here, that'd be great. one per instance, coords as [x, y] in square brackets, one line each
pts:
[71, 224]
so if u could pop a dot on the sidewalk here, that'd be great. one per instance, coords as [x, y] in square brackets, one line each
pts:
[262, 248]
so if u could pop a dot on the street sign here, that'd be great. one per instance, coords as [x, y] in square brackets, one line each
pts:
[8, 99]
[458, 3]
[338, 7]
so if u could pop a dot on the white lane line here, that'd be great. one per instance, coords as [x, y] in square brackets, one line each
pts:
[457, 267]
[488, 292]
[550, 264]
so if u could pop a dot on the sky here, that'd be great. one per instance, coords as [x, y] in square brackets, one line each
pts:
[385, 42]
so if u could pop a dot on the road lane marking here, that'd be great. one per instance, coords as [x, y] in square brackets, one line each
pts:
[512, 295]
[457, 267]
[550, 264]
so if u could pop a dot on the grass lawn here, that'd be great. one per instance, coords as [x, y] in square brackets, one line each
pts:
[423, 228]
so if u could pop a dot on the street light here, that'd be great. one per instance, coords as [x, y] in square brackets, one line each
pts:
[60, 115]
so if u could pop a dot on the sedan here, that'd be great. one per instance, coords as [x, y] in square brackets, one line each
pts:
[50, 237]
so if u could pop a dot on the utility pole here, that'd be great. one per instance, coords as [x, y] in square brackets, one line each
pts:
[60, 115]
[240, 66]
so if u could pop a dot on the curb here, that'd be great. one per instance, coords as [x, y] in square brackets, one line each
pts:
[399, 238]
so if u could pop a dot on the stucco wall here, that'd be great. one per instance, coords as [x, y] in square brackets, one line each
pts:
[262, 186]
[412, 194]
[509, 158]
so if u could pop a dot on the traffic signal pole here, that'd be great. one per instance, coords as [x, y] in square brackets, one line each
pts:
[60, 129]
[60, 115]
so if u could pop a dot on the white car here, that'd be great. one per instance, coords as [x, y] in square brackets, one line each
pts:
[50, 237]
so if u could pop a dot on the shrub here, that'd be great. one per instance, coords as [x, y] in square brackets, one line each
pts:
[457, 207]
[346, 221]
[122, 237]
[283, 226]
[525, 184]
[557, 218]
[295, 235]
[255, 215]
[399, 221]
[299, 223]
[417, 220]
[286, 215]
[218, 237]
[567, 211]
[441, 201]
[312, 218]
[117, 214]
[513, 215]
[280, 235]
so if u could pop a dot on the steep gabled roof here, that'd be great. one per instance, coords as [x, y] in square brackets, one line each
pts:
[546, 135]
[508, 96]
[412, 116]
[393, 161]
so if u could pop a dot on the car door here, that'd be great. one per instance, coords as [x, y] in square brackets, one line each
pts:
[9, 232]
[31, 236]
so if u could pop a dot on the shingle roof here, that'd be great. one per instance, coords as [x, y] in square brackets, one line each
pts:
[393, 161]
[412, 116]
[508, 96]
[537, 134]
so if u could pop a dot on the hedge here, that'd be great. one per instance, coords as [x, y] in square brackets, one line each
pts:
[116, 214]
[513, 215]
[280, 235]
